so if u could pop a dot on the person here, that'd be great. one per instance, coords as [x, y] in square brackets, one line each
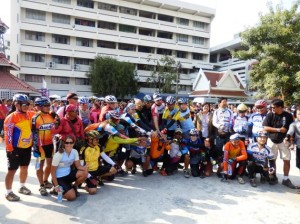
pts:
[42, 124]
[146, 109]
[55, 105]
[84, 112]
[9, 103]
[111, 104]
[72, 99]
[3, 113]
[90, 155]
[63, 176]
[212, 153]
[70, 124]
[277, 124]
[240, 123]
[168, 114]
[260, 160]
[222, 121]
[203, 121]
[235, 158]
[157, 110]
[143, 120]
[95, 111]
[255, 121]
[18, 143]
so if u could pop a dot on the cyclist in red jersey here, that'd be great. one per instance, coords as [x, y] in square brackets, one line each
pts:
[111, 104]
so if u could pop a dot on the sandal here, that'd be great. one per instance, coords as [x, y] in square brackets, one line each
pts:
[47, 184]
[43, 191]
[12, 197]
[24, 190]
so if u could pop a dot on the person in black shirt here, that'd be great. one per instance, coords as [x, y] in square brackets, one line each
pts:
[277, 124]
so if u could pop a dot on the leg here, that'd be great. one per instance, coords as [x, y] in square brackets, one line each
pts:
[47, 169]
[23, 174]
[9, 179]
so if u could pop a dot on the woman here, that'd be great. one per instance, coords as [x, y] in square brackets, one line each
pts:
[61, 172]
[203, 122]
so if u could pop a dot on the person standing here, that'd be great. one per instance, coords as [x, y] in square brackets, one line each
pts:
[72, 99]
[277, 124]
[3, 113]
[18, 142]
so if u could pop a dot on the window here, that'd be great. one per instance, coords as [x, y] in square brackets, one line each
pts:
[164, 51]
[127, 47]
[84, 42]
[60, 80]
[197, 56]
[181, 54]
[146, 32]
[33, 78]
[145, 14]
[82, 81]
[183, 21]
[82, 61]
[198, 40]
[126, 28]
[34, 57]
[182, 38]
[165, 18]
[60, 39]
[63, 1]
[165, 35]
[106, 44]
[35, 14]
[60, 59]
[128, 11]
[198, 24]
[107, 25]
[107, 7]
[83, 22]
[36, 36]
[60, 18]
[85, 3]
[145, 49]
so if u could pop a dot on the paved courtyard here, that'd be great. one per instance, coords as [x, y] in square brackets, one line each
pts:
[156, 199]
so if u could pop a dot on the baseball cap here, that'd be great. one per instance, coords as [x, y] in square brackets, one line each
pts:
[70, 108]
[72, 96]
[178, 130]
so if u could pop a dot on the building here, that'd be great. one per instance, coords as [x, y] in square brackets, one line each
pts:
[54, 41]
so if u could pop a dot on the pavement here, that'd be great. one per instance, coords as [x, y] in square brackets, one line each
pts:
[135, 199]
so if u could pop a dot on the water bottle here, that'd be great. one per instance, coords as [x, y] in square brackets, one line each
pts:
[60, 194]
[229, 171]
[38, 163]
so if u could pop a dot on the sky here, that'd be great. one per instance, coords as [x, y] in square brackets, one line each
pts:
[232, 16]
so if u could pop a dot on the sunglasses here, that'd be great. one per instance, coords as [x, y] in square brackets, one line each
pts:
[24, 104]
[69, 143]
[48, 105]
[242, 111]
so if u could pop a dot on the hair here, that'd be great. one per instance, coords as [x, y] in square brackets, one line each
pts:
[12, 109]
[278, 103]
[60, 144]
[221, 98]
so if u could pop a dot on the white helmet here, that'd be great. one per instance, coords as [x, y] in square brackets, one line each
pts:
[111, 99]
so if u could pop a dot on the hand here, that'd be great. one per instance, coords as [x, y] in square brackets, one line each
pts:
[246, 142]
[230, 161]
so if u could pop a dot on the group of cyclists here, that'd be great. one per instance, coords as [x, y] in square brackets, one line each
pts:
[92, 140]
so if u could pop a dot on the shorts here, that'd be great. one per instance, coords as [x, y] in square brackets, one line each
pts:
[99, 172]
[136, 161]
[46, 151]
[18, 157]
[283, 148]
[66, 181]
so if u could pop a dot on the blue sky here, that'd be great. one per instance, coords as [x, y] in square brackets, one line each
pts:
[232, 16]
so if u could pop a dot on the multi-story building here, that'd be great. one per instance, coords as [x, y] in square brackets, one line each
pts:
[56, 40]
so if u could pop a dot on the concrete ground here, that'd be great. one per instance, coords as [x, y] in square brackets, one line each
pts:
[156, 199]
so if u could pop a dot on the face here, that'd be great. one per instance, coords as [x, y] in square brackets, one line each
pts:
[45, 108]
[298, 114]
[69, 143]
[158, 102]
[112, 105]
[84, 106]
[72, 114]
[183, 106]
[205, 108]
[131, 111]
[22, 107]
[235, 143]
[178, 135]
[262, 140]
[73, 100]
[223, 103]
[193, 137]
[242, 113]
[206, 142]
[261, 110]
[93, 141]
[276, 109]
[170, 106]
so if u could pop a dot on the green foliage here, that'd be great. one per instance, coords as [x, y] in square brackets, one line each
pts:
[275, 44]
[164, 74]
[109, 76]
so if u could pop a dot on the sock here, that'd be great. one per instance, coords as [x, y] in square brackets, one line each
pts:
[22, 184]
[8, 191]
[285, 177]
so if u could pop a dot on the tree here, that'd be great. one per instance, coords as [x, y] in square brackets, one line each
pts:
[109, 76]
[165, 73]
[275, 44]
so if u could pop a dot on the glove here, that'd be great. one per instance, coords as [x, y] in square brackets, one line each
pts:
[36, 152]
[230, 161]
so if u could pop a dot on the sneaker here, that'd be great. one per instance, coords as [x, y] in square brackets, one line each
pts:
[253, 182]
[263, 179]
[186, 173]
[133, 171]
[288, 183]
[43, 191]
[76, 191]
[155, 167]
[100, 182]
[122, 172]
[47, 184]
[53, 192]
[145, 174]
[202, 175]
[163, 173]
[12, 197]
[241, 180]
[24, 190]
[179, 166]
[93, 181]
[273, 180]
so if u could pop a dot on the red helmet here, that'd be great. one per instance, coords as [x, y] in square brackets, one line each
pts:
[261, 103]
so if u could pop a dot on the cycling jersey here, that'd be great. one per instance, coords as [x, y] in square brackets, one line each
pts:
[91, 156]
[240, 125]
[157, 111]
[168, 115]
[256, 121]
[158, 147]
[223, 116]
[185, 120]
[259, 156]
[43, 125]
[113, 144]
[238, 154]
[196, 150]
[17, 130]
[63, 161]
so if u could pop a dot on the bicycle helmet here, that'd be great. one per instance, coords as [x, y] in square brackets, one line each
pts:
[147, 98]
[21, 98]
[114, 114]
[170, 100]
[157, 96]
[182, 100]
[260, 104]
[83, 100]
[242, 107]
[193, 131]
[92, 134]
[262, 134]
[234, 137]
[111, 99]
[41, 101]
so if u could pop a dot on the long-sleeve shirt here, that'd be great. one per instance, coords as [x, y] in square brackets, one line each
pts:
[230, 152]
[65, 128]
[114, 142]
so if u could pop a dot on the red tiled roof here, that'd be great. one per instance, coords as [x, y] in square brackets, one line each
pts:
[215, 92]
[213, 77]
[6, 63]
[9, 81]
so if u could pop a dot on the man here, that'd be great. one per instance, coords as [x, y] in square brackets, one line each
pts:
[157, 110]
[222, 120]
[111, 104]
[18, 141]
[143, 120]
[3, 113]
[42, 124]
[277, 124]
[146, 108]
[168, 114]
[72, 99]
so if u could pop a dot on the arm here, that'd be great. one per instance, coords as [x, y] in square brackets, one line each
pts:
[107, 159]
[215, 120]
